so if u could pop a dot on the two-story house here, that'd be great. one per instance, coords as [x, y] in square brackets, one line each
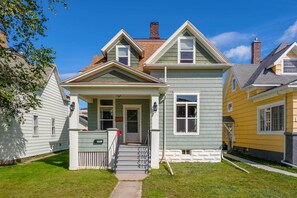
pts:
[171, 88]
[260, 104]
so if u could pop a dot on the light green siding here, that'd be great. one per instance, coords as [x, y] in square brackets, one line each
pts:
[92, 115]
[86, 141]
[209, 84]
[134, 56]
[113, 75]
[145, 110]
[202, 55]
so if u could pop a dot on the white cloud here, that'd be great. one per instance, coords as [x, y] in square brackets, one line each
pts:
[67, 75]
[230, 38]
[239, 53]
[290, 33]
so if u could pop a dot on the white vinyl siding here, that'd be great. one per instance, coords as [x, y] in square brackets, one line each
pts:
[186, 113]
[53, 106]
[289, 66]
[271, 118]
[186, 50]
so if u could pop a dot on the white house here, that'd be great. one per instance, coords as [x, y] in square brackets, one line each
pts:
[45, 130]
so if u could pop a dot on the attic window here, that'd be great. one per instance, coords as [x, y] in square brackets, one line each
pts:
[123, 54]
[186, 49]
[290, 66]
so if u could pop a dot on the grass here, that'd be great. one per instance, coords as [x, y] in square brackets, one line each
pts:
[266, 162]
[51, 178]
[217, 180]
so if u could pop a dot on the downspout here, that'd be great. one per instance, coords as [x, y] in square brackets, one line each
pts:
[164, 117]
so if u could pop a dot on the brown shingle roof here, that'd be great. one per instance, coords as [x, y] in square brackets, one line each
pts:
[149, 46]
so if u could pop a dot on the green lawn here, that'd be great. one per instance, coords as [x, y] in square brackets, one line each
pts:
[265, 162]
[217, 180]
[51, 178]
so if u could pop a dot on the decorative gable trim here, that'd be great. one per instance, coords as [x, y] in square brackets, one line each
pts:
[122, 34]
[197, 34]
[110, 64]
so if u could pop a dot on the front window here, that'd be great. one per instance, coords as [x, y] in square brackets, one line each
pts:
[106, 117]
[186, 50]
[271, 118]
[290, 66]
[123, 54]
[186, 115]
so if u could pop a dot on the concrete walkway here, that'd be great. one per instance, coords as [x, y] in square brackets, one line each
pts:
[129, 186]
[261, 166]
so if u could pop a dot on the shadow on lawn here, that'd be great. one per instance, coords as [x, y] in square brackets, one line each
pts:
[60, 160]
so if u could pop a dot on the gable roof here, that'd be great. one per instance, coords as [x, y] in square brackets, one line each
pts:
[122, 34]
[107, 65]
[192, 29]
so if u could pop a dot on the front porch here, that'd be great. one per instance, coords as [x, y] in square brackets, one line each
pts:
[115, 120]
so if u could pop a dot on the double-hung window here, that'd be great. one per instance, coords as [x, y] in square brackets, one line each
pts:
[35, 125]
[53, 126]
[186, 114]
[123, 54]
[186, 50]
[271, 118]
[106, 117]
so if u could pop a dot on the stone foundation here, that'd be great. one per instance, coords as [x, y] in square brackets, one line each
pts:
[196, 155]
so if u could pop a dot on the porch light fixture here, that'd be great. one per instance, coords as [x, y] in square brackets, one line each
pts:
[155, 107]
[72, 106]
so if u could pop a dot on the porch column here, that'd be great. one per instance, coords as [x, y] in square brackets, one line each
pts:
[73, 133]
[155, 133]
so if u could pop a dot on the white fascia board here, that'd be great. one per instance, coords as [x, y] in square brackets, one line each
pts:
[271, 93]
[122, 33]
[288, 50]
[198, 35]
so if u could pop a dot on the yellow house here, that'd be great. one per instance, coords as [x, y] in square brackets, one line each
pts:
[260, 105]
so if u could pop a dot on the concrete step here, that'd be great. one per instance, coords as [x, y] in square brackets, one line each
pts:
[128, 168]
[132, 154]
[132, 163]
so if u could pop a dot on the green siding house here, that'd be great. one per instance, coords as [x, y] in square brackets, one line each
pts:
[165, 95]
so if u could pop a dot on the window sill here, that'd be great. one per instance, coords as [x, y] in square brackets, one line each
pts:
[271, 133]
[186, 134]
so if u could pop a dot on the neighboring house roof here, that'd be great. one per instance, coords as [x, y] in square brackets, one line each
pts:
[83, 120]
[201, 38]
[48, 73]
[243, 73]
[97, 60]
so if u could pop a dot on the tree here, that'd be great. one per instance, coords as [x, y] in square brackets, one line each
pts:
[23, 63]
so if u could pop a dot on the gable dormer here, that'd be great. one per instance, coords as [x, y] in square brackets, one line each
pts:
[123, 49]
[187, 46]
[286, 63]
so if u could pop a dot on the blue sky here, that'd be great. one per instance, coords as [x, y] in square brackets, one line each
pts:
[79, 32]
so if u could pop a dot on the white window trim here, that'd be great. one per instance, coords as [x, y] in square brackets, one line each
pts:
[132, 106]
[198, 114]
[194, 48]
[233, 79]
[259, 132]
[129, 54]
[33, 126]
[230, 110]
[113, 110]
[282, 69]
[53, 135]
